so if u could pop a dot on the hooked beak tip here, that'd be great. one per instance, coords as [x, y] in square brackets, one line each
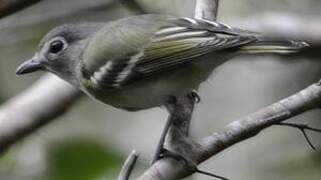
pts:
[29, 67]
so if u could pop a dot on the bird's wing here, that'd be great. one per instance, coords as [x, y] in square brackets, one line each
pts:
[176, 42]
[186, 39]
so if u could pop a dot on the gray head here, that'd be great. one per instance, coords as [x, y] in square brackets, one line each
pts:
[60, 51]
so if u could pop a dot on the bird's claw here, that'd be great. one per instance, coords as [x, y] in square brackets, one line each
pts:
[194, 96]
[189, 164]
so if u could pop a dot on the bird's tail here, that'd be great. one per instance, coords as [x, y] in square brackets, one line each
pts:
[266, 45]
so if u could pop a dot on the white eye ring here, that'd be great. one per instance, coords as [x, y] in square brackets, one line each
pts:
[56, 45]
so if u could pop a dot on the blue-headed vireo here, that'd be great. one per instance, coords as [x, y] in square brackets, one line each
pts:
[139, 62]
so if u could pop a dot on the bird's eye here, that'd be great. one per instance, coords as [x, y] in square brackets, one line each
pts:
[56, 46]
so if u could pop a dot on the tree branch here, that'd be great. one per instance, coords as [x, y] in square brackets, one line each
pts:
[48, 98]
[37, 105]
[238, 131]
[206, 9]
[251, 125]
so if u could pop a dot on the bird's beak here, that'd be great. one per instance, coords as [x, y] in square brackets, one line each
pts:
[32, 65]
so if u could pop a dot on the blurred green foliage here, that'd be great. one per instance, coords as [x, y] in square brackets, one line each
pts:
[297, 168]
[81, 160]
[1, 99]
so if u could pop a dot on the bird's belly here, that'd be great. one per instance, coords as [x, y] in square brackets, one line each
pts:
[156, 90]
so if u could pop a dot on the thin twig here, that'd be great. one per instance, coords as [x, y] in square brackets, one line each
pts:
[211, 174]
[128, 166]
[300, 126]
[303, 128]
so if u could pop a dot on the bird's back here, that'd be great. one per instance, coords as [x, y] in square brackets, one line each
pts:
[121, 38]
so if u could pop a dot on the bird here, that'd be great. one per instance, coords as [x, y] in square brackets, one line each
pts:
[140, 62]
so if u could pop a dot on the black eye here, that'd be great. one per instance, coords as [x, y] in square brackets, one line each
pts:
[56, 46]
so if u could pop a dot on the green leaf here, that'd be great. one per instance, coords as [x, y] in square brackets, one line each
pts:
[81, 160]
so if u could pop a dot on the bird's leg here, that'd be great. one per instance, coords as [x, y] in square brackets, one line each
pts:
[160, 145]
[176, 134]
[173, 103]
